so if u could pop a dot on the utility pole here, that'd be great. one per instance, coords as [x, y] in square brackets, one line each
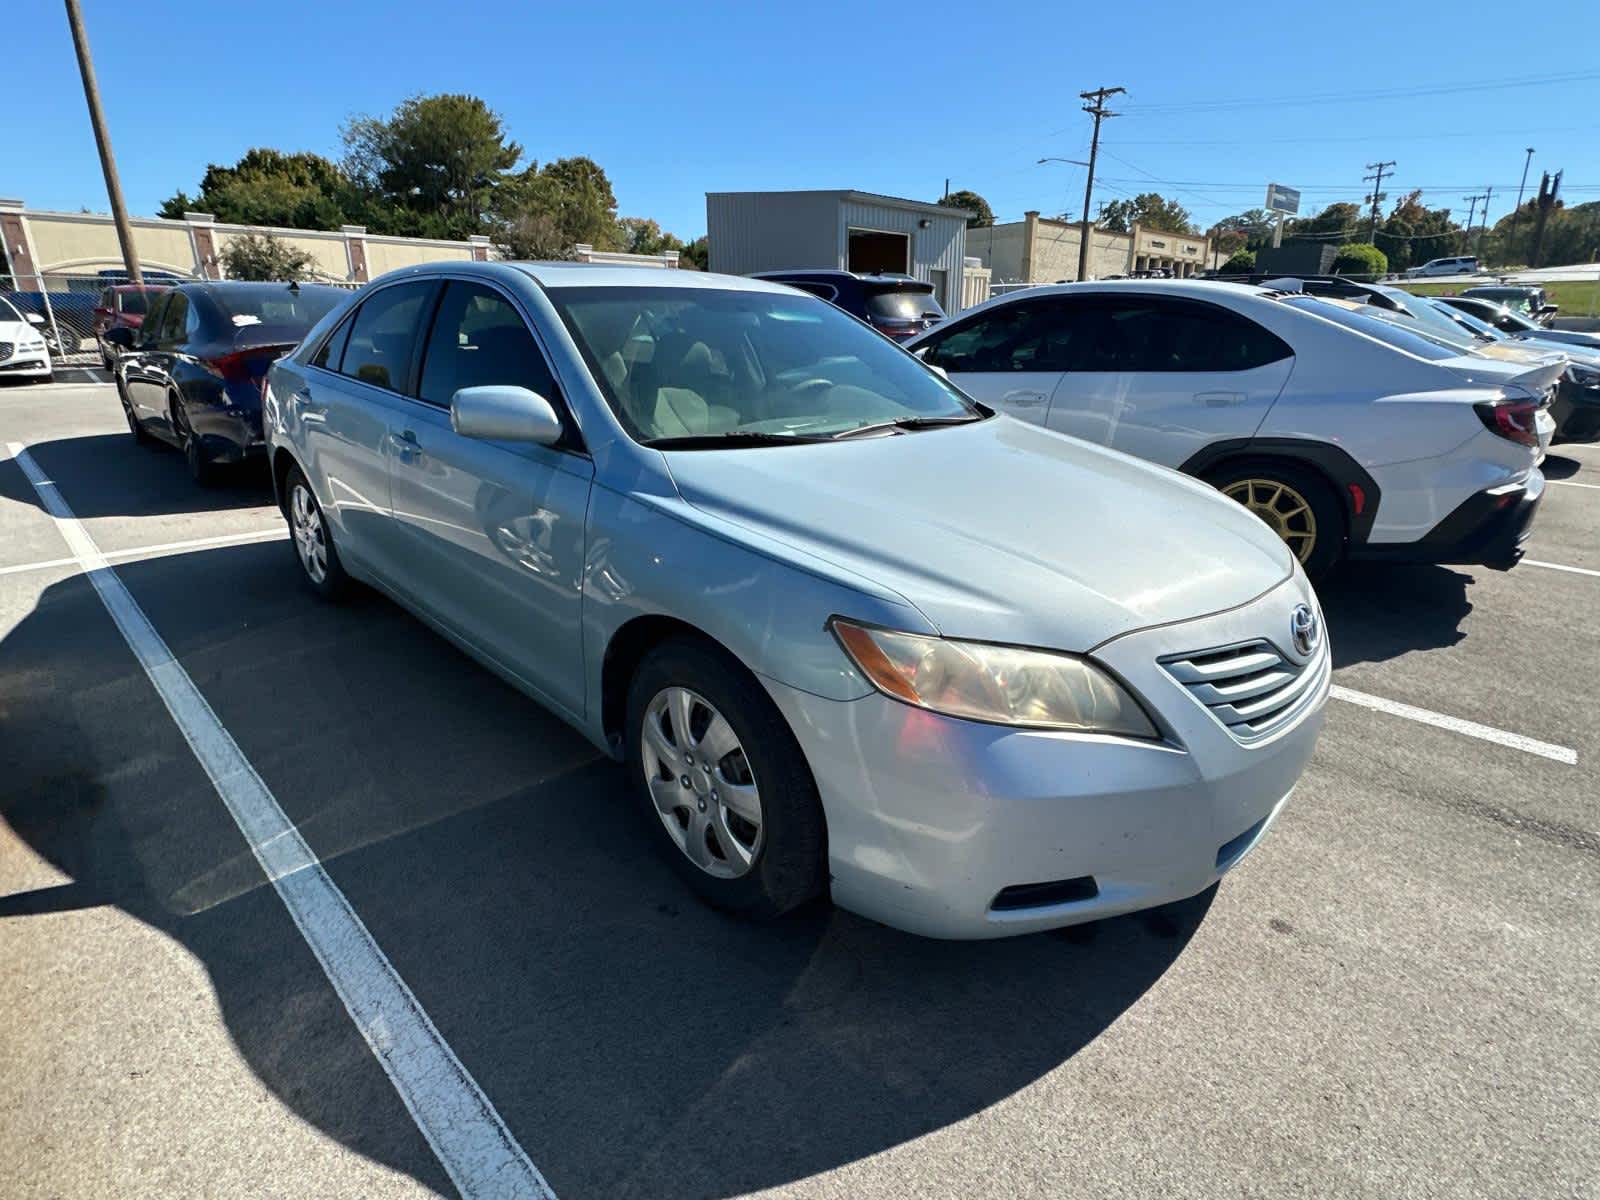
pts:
[1516, 213]
[1488, 194]
[1096, 108]
[108, 162]
[1472, 210]
[1547, 200]
[1378, 169]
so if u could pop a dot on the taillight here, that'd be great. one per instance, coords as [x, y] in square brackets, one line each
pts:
[1510, 419]
[251, 363]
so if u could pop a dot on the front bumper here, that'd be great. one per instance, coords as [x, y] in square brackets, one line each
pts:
[26, 362]
[933, 820]
[1488, 529]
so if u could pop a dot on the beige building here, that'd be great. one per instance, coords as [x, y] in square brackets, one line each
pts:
[1042, 250]
[45, 248]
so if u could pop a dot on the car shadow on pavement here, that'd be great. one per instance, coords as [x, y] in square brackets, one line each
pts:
[636, 1042]
[109, 475]
[1379, 611]
[1559, 466]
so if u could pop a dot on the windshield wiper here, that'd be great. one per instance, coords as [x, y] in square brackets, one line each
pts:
[906, 423]
[724, 441]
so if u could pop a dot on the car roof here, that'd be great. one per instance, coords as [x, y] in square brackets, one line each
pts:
[1199, 289]
[555, 275]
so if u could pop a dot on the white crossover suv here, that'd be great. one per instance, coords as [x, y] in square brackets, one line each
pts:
[22, 349]
[1348, 444]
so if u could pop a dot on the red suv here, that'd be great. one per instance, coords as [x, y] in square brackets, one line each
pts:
[121, 306]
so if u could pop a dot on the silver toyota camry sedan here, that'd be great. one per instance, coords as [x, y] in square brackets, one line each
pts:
[849, 631]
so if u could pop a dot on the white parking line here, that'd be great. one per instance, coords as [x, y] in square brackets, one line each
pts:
[1534, 562]
[278, 533]
[1485, 733]
[1593, 487]
[460, 1124]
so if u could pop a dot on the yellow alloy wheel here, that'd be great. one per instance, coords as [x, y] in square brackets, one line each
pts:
[1281, 507]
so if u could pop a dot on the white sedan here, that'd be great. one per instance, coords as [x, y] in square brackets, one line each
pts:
[22, 349]
[1347, 443]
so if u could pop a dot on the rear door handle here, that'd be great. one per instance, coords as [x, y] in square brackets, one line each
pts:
[1218, 399]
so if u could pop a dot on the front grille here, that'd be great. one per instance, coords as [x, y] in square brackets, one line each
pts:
[5, 350]
[1251, 689]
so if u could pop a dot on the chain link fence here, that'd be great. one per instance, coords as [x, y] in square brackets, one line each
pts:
[76, 309]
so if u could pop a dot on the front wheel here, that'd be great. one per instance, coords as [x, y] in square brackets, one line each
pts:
[723, 783]
[1296, 504]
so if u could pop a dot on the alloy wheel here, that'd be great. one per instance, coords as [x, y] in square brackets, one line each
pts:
[1284, 509]
[701, 783]
[310, 540]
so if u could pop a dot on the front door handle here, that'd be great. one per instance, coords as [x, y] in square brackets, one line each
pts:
[1219, 399]
[405, 446]
[1023, 399]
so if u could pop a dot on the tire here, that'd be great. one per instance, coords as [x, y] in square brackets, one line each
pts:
[324, 574]
[202, 469]
[140, 436]
[1304, 512]
[783, 863]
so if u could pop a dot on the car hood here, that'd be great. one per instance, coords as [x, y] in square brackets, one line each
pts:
[1564, 337]
[16, 331]
[999, 530]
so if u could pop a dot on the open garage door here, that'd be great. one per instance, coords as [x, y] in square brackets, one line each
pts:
[872, 250]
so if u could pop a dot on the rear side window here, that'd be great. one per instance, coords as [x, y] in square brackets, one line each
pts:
[176, 319]
[332, 351]
[133, 302]
[478, 339]
[382, 335]
[1162, 336]
[1012, 337]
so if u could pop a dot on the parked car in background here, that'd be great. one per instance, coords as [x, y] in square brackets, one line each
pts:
[1348, 445]
[122, 306]
[23, 352]
[897, 306]
[1524, 298]
[1508, 320]
[820, 603]
[1460, 265]
[192, 373]
[1576, 407]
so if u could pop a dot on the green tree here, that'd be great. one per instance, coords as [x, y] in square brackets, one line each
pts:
[641, 235]
[1241, 263]
[261, 256]
[1362, 259]
[976, 205]
[696, 254]
[433, 165]
[545, 211]
[1251, 229]
[1340, 222]
[1414, 233]
[270, 187]
[1148, 210]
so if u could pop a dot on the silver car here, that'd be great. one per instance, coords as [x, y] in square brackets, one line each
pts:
[850, 631]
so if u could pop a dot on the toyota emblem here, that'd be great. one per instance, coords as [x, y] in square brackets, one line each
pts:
[1305, 630]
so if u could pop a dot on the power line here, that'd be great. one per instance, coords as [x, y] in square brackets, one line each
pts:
[1365, 95]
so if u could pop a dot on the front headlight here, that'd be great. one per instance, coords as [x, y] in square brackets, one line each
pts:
[1004, 685]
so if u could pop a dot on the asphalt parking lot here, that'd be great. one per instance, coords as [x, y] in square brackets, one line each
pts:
[1394, 996]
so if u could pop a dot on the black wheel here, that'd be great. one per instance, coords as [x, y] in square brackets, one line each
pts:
[202, 469]
[723, 783]
[319, 561]
[1297, 504]
[140, 437]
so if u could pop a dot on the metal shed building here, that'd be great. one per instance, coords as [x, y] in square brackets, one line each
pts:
[838, 230]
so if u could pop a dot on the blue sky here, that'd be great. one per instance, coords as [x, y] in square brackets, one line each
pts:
[675, 100]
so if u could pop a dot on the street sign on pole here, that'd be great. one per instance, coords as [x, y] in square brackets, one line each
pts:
[1282, 199]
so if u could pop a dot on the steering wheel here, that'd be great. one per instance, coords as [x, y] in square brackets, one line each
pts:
[807, 385]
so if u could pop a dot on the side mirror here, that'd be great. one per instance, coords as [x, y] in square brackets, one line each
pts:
[500, 413]
[35, 319]
[120, 337]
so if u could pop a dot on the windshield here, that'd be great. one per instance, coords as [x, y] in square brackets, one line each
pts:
[1462, 317]
[904, 303]
[706, 363]
[1365, 320]
[1518, 302]
[134, 302]
[7, 313]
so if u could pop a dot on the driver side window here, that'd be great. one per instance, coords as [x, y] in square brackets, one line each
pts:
[1014, 337]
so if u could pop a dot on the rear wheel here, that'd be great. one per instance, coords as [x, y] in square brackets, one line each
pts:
[1295, 503]
[134, 427]
[723, 782]
[313, 541]
[202, 469]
